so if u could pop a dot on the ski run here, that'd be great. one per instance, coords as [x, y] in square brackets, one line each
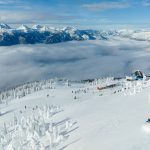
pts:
[58, 114]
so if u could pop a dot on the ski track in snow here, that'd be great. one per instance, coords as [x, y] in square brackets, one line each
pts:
[76, 116]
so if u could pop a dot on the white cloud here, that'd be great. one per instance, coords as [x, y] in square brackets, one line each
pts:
[4, 2]
[106, 6]
[75, 60]
[146, 3]
[15, 16]
[19, 11]
[14, 4]
[35, 16]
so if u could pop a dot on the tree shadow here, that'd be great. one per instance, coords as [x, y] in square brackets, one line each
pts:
[6, 112]
[67, 132]
[69, 144]
[62, 122]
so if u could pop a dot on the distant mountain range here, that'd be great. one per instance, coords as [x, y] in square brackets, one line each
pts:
[48, 35]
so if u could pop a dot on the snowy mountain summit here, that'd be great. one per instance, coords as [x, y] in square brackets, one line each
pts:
[23, 28]
[37, 27]
[4, 26]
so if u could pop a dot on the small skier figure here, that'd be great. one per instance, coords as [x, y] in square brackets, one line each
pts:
[75, 97]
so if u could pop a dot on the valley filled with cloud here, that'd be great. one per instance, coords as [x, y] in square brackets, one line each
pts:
[74, 60]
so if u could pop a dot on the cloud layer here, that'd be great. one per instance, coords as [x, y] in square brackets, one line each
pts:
[73, 60]
[78, 12]
[106, 5]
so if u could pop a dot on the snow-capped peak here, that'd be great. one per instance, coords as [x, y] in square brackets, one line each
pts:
[23, 28]
[69, 29]
[44, 28]
[37, 27]
[4, 26]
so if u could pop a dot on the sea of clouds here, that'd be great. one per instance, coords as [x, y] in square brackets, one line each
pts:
[74, 60]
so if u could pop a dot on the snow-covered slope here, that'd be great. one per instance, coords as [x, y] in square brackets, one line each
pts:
[4, 26]
[23, 28]
[57, 114]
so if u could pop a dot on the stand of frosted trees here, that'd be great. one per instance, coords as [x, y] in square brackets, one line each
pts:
[35, 131]
[25, 89]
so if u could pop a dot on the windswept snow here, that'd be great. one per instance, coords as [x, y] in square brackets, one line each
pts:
[52, 118]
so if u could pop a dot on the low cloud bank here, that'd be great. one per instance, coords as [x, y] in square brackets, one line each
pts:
[73, 60]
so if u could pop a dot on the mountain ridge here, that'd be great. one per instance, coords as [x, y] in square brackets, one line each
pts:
[48, 35]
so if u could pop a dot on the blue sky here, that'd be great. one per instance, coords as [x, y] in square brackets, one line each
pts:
[88, 13]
